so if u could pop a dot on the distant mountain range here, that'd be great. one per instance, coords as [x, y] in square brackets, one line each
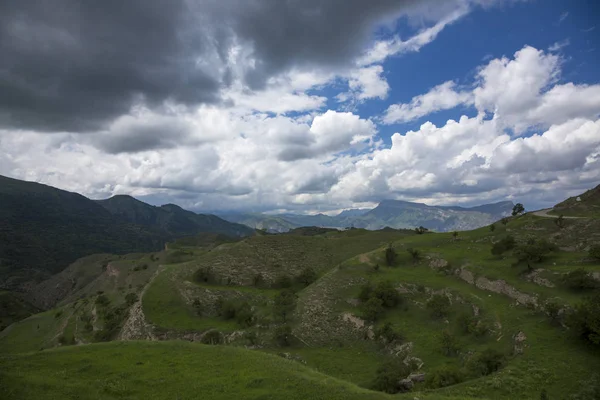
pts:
[44, 229]
[389, 213]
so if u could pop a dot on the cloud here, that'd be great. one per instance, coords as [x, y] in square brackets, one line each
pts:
[76, 67]
[441, 97]
[559, 45]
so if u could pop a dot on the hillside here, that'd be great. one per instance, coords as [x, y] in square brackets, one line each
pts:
[445, 318]
[44, 229]
[585, 205]
[391, 213]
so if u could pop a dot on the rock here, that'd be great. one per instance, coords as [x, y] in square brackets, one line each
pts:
[405, 348]
[417, 377]
[413, 362]
[475, 310]
[466, 276]
[519, 340]
[438, 263]
[405, 384]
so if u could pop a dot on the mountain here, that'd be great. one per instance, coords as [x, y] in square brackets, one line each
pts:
[395, 214]
[44, 229]
[169, 218]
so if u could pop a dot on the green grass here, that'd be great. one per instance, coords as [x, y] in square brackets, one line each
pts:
[166, 370]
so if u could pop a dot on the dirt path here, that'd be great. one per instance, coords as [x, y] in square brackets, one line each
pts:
[136, 327]
[544, 213]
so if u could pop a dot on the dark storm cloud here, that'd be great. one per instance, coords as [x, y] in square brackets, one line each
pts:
[69, 65]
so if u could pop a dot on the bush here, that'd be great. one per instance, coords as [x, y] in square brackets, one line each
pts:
[595, 251]
[373, 309]
[552, 308]
[486, 362]
[388, 334]
[307, 276]
[518, 209]
[131, 298]
[284, 304]
[390, 255]
[438, 305]
[283, 282]
[102, 300]
[421, 230]
[212, 337]
[448, 344]
[258, 280]
[226, 308]
[504, 221]
[585, 319]
[204, 275]
[197, 304]
[244, 315]
[505, 244]
[251, 337]
[389, 375]
[414, 254]
[283, 335]
[534, 250]
[387, 293]
[492, 228]
[580, 279]
[444, 376]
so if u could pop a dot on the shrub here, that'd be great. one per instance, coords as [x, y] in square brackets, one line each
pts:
[307, 276]
[198, 306]
[552, 308]
[131, 298]
[444, 376]
[580, 279]
[58, 314]
[503, 245]
[204, 275]
[486, 362]
[492, 228]
[387, 293]
[390, 255]
[388, 333]
[455, 234]
[389, 375]
[102, 300]
[284, 304]
[283, 282]
[283, 335]
[448, 344]
[414, 253]
[504, 221]
[258, 280]
[244, 315]
[251, 337]
[534, 250]
[438, 305]
[595, 251]
[365, 292]
[421, 230]
[373, 309]
[212, 337]
[585, 319]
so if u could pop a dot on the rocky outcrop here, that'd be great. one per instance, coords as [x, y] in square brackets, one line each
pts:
[519, 343]
[498, 286]
[535, 277]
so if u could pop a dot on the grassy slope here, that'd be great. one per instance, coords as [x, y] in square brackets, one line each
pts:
[13, 308]
[166, 370]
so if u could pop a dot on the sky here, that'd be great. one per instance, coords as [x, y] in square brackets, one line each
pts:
[303, 105]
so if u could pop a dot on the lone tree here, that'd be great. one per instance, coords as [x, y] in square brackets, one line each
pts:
[414, 253]
[492, 227]
[534, 251]
[518, 209]
[390, 255]
[455, 234]
[421, 230]
[504, 221]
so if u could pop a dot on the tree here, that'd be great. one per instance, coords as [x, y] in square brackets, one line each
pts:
[454, 234]
[486, 362]
[552, 308]
[283, 335]
[504, 221]
[444, 376]
[580, 279]
[284, 304]
[534, 251]
[448, 344]
[212, 337]
[373, 309]
[518, 209]
[503, 245]
[438, 305]
[492, 227]
[197, 306]
[390, 255]
[421, 230]
[307, 276]
[389, 376]
[560, 221]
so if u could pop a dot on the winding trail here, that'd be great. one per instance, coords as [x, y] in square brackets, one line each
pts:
[136, 327]
[544, 213]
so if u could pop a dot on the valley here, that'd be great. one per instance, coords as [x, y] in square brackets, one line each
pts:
[358, 313]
